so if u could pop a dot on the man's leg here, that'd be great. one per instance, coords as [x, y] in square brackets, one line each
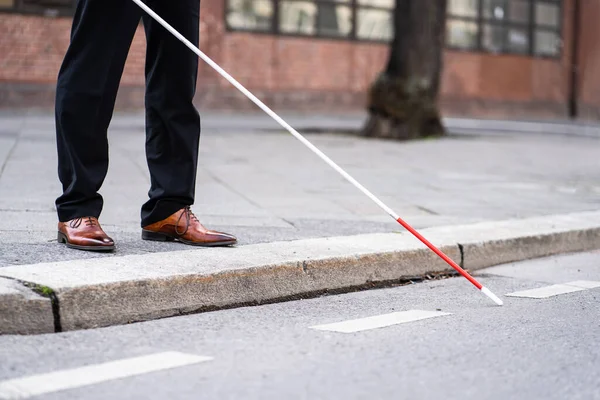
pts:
[172, 121]
[86, 90]
[173, 129]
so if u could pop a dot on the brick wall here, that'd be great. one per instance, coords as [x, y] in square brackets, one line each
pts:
[31, 52]
[31, 48]
[312, 74]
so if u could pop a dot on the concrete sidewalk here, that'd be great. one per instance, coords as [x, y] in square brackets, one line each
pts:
[259, 183]
[267, 186]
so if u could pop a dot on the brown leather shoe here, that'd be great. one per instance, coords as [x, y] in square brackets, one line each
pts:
[183, 226]
[84, 234]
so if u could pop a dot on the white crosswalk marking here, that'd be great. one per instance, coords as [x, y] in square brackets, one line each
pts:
[546, 291]
[555, 290]
[379, 321]
[584, 284]
[22, 388]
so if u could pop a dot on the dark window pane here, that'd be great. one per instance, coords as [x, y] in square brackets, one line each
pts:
[547, 43]
[298, 17]
[547, 14]
[333, 19]
[250, 14]
[507, 10]
[461, 34]
[494, 9]
[374, 24]
[51, 8]
[517, 41]
[463, 8]
[308, 18]
[378, 3]
[518, 11]
[493, 38]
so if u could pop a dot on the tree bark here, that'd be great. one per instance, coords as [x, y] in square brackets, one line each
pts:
[402, 101]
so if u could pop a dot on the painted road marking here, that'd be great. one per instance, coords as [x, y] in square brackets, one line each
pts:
[549, 291]
[555, 290]
[584, 284]
[35, 385]
[379, 321]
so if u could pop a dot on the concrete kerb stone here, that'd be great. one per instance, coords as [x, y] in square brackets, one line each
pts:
[101, 292]
[22, 311]
[486, 244]
[130, 301]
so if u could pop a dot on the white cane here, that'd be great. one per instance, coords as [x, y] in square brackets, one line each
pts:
[315, 150]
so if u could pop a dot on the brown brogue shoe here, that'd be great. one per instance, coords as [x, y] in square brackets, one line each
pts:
[84, 234]
[184, 227]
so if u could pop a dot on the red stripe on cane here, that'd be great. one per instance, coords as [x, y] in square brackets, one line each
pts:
[439, 253]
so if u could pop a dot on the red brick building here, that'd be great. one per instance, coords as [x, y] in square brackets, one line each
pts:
[517, 57]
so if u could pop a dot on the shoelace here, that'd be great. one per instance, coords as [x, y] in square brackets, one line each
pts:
[189, 215]
[76, 223]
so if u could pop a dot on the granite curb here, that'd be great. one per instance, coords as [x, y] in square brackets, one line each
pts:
[92, 293]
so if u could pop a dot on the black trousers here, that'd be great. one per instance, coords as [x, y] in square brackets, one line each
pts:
[87, 86]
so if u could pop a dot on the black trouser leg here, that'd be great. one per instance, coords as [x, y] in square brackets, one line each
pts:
[86, 90]
[172, 121]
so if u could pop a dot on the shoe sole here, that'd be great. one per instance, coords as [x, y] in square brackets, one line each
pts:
[62, 238]
[163, 237]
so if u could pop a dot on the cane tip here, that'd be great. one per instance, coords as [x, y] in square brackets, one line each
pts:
[492, 296]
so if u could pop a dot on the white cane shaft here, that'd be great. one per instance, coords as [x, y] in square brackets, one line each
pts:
[266, 109]
[277, 118]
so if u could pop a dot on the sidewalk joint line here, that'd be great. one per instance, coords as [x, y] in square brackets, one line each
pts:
[8, 156]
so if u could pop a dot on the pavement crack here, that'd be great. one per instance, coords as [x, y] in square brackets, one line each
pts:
[56, 312]
[288, 222]
[462, 255]
[49, 293]
[427, 210]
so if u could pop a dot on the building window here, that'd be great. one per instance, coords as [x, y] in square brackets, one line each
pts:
[44, 7]
[347, 19]
[530, 27]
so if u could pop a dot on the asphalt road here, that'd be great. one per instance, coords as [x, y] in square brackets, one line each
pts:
[529, 349]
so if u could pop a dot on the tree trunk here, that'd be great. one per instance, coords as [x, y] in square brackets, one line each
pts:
[402, 101]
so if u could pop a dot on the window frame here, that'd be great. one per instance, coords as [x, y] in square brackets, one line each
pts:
[274, 28]
[24, 9]
[531, 27]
